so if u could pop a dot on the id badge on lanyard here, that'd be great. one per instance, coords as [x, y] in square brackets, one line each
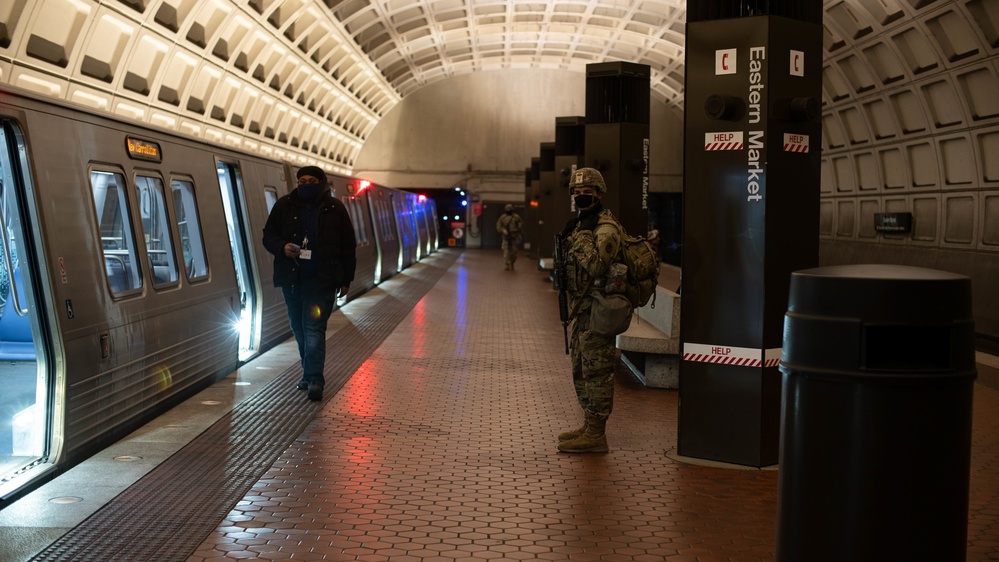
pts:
[305, 254]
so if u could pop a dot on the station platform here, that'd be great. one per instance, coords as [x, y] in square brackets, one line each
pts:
[436, 440]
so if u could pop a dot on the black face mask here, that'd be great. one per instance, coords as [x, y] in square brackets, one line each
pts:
[309, 191]
[584, 202]
[509, 212]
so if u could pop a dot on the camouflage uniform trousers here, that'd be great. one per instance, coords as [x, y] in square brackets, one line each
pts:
[593, 358]
[510, 245]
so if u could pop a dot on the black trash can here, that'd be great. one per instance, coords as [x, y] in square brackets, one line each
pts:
[878, 372]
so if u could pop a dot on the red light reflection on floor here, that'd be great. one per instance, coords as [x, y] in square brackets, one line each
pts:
[368, 403]
[420, 329]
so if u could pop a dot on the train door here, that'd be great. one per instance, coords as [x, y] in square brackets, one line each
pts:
[26, 400]
[404, 223]
[231, 186]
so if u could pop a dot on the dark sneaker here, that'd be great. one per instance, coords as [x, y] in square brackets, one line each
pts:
[302, 385]
[315, 391]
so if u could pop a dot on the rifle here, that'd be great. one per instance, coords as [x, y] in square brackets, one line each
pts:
[560, 286]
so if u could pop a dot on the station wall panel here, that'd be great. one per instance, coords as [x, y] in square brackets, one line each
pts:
[826, 218]
[881, 119]
[958, 161]
[985, 13]
[894, 168]
[846, 218]
[896, 205]
[827, 184]
[955, 36]
[104, 55]
[960, 219]
[885, 62]
[923, 167]
[834, 85]
[990, 220]
[868, 174]
[917, 53]
[988, 147]
[857, 74]
[834, 135]
[946, 109]
[865, 222]
[176, 77]
[925, 218]
[845, 179]
[909, 111]
[856, 125]
[145, 63]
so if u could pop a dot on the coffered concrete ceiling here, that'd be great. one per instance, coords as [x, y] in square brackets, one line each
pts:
[308, 80]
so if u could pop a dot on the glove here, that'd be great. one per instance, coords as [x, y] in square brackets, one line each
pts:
[590, 222]
[569, 227]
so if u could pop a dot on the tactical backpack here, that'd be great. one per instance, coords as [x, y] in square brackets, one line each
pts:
[642, 260]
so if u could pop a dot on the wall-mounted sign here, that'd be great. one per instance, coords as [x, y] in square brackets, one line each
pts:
[731, 140]
[893, 223]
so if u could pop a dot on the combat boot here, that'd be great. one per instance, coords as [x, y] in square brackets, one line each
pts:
[592, 440]
[574, 434]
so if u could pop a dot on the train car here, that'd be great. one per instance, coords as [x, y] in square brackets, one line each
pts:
[132, 275]
[345, 190]
[426, 213]
[404, 205]
[389, 242]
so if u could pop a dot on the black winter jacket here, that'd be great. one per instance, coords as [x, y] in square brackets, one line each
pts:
[334, 253]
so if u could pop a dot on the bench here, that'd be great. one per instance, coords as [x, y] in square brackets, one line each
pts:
[650, 347]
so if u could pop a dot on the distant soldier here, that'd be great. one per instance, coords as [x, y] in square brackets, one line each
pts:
[591, 243]
[510, 225]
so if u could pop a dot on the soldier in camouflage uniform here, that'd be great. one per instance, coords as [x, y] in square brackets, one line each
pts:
[590, 248]
[510, 225]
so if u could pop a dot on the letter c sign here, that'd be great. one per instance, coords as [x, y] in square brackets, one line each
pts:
[725, 61]
[797, 63]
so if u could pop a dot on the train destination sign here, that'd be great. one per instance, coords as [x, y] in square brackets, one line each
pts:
[143, 150]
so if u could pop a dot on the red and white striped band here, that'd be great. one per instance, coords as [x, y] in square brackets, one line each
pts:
[728, 355]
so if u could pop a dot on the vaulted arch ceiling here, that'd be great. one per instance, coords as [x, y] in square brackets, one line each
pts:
[414, 42]
[308, 80]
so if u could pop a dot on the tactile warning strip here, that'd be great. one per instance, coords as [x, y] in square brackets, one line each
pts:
[167, 514]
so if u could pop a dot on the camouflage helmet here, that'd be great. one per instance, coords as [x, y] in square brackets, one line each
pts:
[588, 177]
[508, 208]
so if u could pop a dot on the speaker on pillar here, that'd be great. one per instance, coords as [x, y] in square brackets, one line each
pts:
[570, 141]
[617, 138]
[751, 215]
[547, 200]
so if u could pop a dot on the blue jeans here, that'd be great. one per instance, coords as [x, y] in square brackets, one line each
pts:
[309, 309]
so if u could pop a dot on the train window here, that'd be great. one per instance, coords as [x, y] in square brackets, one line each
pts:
[271, 197]
[189, 227]
[117, 242]
[354, 209]
[156, 228]
[359, 209]
[385, 219]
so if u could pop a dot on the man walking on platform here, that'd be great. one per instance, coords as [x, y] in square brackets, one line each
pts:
[591, 243]
[312, 239]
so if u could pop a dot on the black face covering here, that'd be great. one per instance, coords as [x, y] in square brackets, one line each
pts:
[309, 191]
[509, 212]
[584, 202]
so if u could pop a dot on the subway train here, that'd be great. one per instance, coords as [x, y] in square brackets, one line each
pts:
[133, 274]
